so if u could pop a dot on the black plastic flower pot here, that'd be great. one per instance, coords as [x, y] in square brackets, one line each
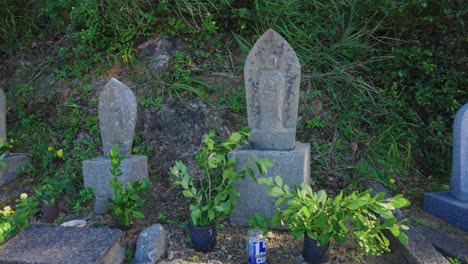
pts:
[51, 213]
[203, 238]
[314, 254]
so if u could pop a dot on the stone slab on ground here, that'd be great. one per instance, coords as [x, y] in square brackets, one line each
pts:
[292, 165]
[448, 208]
[50, 244]
[14, 163]
[444, 244]
[418, 250]
[96, 173]
[151, 245]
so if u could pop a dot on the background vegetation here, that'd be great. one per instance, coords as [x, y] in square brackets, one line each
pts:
[381, 81]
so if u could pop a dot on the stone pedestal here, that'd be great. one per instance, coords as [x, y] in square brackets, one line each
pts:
[280, 139]
[40, 243]
[96, 174]
[14, 163]
[292, 165]
[448, 208]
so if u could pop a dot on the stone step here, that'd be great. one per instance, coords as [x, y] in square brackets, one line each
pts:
[50, 244]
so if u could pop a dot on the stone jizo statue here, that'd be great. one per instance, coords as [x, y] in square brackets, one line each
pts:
[272, 75]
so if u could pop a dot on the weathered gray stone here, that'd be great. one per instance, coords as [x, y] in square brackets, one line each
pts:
[448, 208]
[151, 245]
[418, 250]
[272, 75]
[453, 207]
[3, 135]
[175, 131]
[117, 117]
[96, 174]
[101, 204]
[49, 244]
[15, 162]
[459, 180]
[444, 244]
[292, 165]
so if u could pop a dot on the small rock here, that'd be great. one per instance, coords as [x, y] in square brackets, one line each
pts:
[170, 255]
[151, 245]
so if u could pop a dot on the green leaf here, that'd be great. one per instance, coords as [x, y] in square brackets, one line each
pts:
[403, 238]
[138, 214]
[279, 181]
[324, 239]
[196, 216]
[395, 230]
[187, 193]
[398, 201]
[280, 201]
[275, 191]
[235, 137]
[265, 181]
[356, 204]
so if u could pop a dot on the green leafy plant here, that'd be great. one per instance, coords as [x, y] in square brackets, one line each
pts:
[12, 221]
[126, 202]
[51, 188]
[212, 192]
[322, 218]
[259, 221]
[85, 195]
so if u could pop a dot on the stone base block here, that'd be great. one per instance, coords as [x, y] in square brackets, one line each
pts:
[96, 174]
[448, 208]
[280, 139]
[41, 244]
[14, 163]
[292, 165]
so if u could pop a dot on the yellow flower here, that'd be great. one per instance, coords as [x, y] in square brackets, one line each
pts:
[50, 148]
[243, 26]
[213, 22]
[60, 153]
[392, 181]
[7, 211]
[24, 196]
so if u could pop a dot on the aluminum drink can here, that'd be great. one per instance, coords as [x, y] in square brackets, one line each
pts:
[256, 246]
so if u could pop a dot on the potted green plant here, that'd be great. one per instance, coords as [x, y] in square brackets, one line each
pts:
[212, 192]
[48, 192]
[359, 215]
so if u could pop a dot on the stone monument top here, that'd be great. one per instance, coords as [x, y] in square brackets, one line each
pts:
[117, 117]
[459, 180]
[272, 75]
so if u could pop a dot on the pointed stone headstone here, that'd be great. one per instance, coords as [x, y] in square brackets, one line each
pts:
[117, 121]
[272, 75]
[459, 180]
[453, 206]
[117, 117]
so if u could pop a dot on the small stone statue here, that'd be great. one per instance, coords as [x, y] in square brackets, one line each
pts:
[272, 76]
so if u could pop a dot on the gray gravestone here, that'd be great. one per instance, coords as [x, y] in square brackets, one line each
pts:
[272, 75]
[459, 180]
[453, 206]
[117, 119]
[117, 116]
[50, 244]
[14, 161]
